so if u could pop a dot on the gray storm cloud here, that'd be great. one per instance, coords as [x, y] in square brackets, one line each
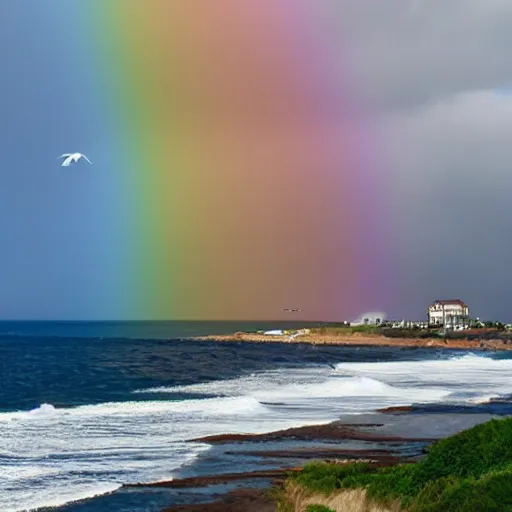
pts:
[406, 52]
[452, 170]
[437, 74]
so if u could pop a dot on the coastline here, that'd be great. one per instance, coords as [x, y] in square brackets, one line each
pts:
[234, 472]
[310, 445]
[359, 339]
[389, 437]
[382, 438]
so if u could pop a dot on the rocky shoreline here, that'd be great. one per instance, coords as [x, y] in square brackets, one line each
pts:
[239, 471]
[335, 431]
[247, 499]
[357, 339]
[382, 439]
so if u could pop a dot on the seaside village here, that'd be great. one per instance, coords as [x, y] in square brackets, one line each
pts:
[446, 314]
[443, 316]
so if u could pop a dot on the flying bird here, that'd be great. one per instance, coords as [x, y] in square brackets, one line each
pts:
[72, 157]
[294, 310]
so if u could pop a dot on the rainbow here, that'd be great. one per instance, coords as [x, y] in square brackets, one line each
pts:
[244, 179]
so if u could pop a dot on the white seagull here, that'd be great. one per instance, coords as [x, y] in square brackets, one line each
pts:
[72, 157]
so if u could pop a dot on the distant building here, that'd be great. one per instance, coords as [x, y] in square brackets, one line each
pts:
[374, 318]
[448, 313]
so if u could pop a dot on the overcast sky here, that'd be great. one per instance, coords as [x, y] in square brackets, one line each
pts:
[438, 74]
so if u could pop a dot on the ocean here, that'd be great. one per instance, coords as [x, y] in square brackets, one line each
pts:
[87, 407]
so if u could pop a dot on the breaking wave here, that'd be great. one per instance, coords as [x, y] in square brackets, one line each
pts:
[52, 455]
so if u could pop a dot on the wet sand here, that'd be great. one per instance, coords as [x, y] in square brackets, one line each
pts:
[335, 431]
[241, 500]
[378, 456]
[260, 500]
[358, 339]
[396, 434]
[401, 409]
[203, 481]
[290, 449]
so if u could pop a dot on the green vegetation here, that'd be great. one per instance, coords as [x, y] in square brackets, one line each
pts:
[344, 330]
[468, 472]
[324, 478]
[318, 508]
[389, 332]
[409, 333]
[278, 494]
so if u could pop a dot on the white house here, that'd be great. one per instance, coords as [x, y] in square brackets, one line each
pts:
[448, 313]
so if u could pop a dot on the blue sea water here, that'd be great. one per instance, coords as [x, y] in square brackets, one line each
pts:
[87, 407]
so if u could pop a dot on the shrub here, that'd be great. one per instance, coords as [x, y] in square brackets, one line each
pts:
[345, 330]
[470, 453]
[406, 333]
[468, 472]
[318, 508]
[325, 478]
[492, 493]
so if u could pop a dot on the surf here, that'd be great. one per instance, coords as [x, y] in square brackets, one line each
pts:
[52, 455]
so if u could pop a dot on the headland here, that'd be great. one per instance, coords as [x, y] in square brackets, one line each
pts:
[474, 339]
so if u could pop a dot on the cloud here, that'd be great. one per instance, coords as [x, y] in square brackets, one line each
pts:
[437, 75]
[452, 179]
[406, 52]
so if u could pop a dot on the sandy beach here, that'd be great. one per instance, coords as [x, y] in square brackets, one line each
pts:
[357, 339]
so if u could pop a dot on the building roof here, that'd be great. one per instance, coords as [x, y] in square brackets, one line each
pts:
[450, 302]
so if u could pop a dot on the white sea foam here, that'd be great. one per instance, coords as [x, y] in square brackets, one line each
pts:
[32, 499]
[50, 456]
[479, 375]
[43, 409]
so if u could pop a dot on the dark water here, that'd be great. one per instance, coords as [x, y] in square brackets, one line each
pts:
[76, 363]
[87, 371]
[138, 330]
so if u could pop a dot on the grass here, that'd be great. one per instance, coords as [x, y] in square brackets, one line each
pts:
[324, 478]
[278, 494]
[318, 508]
[468, 472]
[388, 332]
[343, 330]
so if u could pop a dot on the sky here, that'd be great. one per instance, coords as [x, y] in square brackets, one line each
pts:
[433, 77]
[52, 223]
[439, 73]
